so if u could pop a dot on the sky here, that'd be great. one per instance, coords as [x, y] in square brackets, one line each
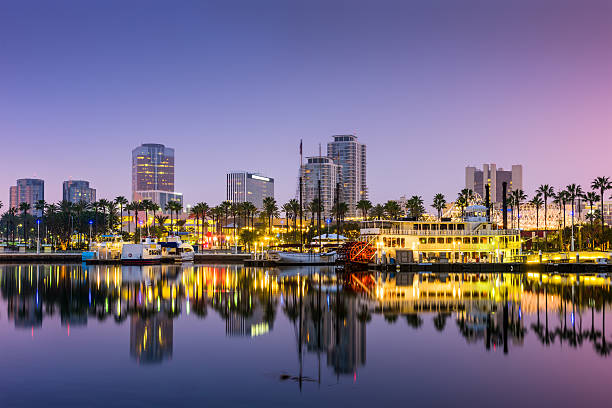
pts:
[429, 86]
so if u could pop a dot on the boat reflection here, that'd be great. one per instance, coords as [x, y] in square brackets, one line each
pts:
[328, 310]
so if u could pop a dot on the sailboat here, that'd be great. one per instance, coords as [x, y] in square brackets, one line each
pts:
[301, 257]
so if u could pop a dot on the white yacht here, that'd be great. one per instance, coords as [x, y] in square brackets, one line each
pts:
[176, 250]
[148, 251]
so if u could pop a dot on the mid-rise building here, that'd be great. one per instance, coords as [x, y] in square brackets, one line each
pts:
[586, 209]
[153, 174]
[350, 155]
[319, 168]
[160, 198]
[27, 191]
[75, 191]
[242, 186]
[476, 180]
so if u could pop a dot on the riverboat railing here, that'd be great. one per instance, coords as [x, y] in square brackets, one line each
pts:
[437, 233]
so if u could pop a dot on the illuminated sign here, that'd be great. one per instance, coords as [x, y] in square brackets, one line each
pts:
[256, 177]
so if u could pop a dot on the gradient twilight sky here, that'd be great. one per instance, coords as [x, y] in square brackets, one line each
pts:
[430, 86]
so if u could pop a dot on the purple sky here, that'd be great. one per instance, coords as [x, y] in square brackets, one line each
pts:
[430, 86]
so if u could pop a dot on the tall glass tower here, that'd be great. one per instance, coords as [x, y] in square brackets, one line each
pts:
[350, 155]
[153, 174]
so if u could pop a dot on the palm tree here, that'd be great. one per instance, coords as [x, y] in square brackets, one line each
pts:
[128, 207]
[270, 209]
[205, 212]
[288, 211]
[67, 209]
[173, 207]
[295, 209]
[415, 207]
[378, 212]
[464, 199]
[12, 214]
[563, 198]
[136, 206]
[249, 210]
[546, 191]
[195, 213]
[392, 209]
[24, 208]
[95, 206]
[226, 206]
[169, 208]
[511, 204]
[573, 191]
[315, 207]
[40, 205]
[103, 204]
[161, 221]
[217, 213]
[602, 184]
[519, 196]
[537, 202]
[155, 208]
[146, 206]
[591, 197]
[234, 210]
[341, 210]
[439, 203]
[364, 206]
[121, 201]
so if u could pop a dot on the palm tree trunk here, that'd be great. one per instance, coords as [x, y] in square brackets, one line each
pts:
[537, 222]
[545, 218]
[602, 218]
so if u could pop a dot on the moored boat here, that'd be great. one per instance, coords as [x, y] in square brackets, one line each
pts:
[145, 253]
[297, 258]
[175, 250]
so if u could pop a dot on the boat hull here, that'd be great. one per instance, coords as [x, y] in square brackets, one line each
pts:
[140, 261]
[299, 258]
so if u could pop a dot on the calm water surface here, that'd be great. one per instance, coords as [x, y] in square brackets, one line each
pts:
[232, 336]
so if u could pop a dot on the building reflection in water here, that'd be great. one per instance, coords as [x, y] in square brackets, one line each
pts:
[329, 312]
[151, 338]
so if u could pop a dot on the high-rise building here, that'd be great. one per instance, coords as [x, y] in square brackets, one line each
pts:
[476, 180]
[350, 155]
[27, 191]
[153, 174]
[242, 186]
[319, 168]
[78, 190]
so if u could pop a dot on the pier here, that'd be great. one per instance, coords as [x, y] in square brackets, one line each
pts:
[75, 257]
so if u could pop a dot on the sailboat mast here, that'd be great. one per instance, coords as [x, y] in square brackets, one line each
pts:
[301, 204]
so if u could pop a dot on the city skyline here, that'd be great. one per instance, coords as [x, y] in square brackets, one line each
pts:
[415, 84]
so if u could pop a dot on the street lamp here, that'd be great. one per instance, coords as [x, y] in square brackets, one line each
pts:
[38, 236]
[90, 224]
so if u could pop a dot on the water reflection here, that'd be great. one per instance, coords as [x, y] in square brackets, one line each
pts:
[328, 312]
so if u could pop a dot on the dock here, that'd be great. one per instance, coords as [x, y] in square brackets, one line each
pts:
[562, 268]
[43, 257]
[76, 257]
[201, 259]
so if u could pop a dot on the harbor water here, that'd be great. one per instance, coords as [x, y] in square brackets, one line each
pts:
[229, 335]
